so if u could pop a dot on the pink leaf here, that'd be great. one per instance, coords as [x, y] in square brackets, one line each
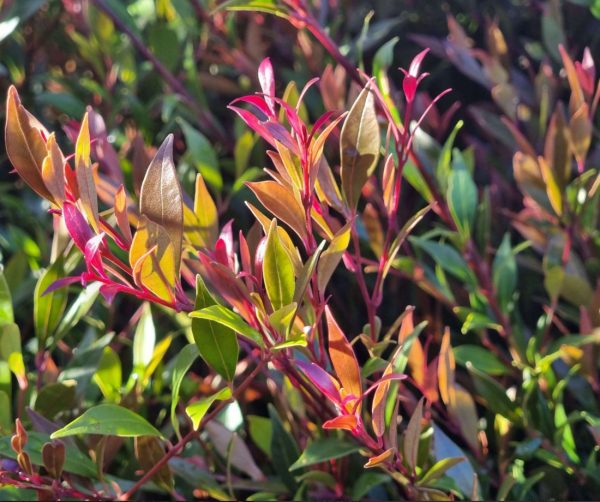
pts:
[321, 379]
[77, 225]
[266, 77]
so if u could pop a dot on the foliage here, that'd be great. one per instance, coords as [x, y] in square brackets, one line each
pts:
[403, 303]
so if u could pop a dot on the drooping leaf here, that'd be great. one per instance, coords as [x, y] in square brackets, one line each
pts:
[359, 146]
[108, 420]
[198, 409]
[216, 343]
[278, 271]
[161, 200]
[322, 450]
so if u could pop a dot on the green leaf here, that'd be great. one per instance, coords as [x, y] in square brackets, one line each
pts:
[261, 432]
[79, 308]
[108, 420]
[5, 413]
[197, 410]
[56, 397]
[493, 393]
[284, 450]
[278, 271]
[480, 358]
[202, 155]
[48, 308]
[504, 272]
[322, 450]
[144, 340]
[366, 481]
[446, 257]
[226, 317]
[109, 375]
[359, 146]
[10, 349]
[443, 168]
[266, 6]
[181, 365]
[439, 469]
[462, 195]
[6, 308]
[217, 343]
[412, 436]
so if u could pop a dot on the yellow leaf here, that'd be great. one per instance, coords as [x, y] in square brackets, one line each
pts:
[580, 127]
[121, 213]
[152, 259]
[379, 403]
[446, 368]
[85, 176]
[331, 257]
[380, 459]
[552, 189]
[53, 172]
[206, 212]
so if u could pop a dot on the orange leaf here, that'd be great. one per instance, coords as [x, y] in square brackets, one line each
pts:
[446, 367]
[282, 203]
[343, 358]
[379, 402]
[416, 356]
[380, 459]
[121, 213]
[345, 422]
[25, 145]
[557, 151]
[577, 97]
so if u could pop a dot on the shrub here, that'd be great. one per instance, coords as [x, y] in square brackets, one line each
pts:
[276, 355]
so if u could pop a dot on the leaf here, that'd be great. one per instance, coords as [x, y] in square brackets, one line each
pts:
[480, 358]
[580, 134]
[56, 397]
[553, 189]
[379, 402]
[359, 146]
[53, 170]
[6, 308]
[443, 167]
[216, 343]
[148, 451]
[462, 195]
[161, 199]
[206, 213]
[282, 203]
[331, 257]
[181, 365]
[492, 392]
[412, 436]
[198, 409]
[343, 358]
[144, 340]
[504, 272]
[306, 273]
[85, 178]
[322, 450]
[109, 375]
[48, 308]
[261, 432]
[284, 450]
[10, 351]
[462, 473]
[557, 152]
[366, 482]
[439, 469]
[79, 308]
[231, 447]
[226, 317]
[380, 459]
[278, 271]
[152, 258]
[121, 215]
[25, 143]
[108, 420]
[446, 257]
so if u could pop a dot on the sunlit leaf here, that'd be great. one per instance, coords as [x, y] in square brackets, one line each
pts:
[278, 271]
[331, 257]
[322, 450]
[85, 177]
[359, 146]
[230, 319]
[198, 409]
